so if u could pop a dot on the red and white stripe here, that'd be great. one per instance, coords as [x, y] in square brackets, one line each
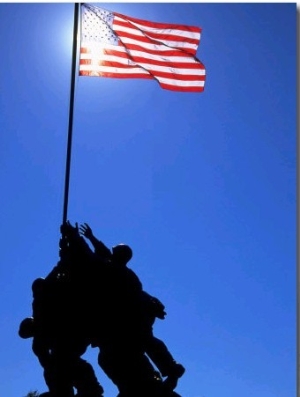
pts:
[164, 52]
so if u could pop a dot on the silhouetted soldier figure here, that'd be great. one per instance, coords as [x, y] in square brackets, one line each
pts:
[131, 312]
[129, 369]
[59, 335]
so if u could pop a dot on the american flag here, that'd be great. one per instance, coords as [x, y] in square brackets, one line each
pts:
[115, 45]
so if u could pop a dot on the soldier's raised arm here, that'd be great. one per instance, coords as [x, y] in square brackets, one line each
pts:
[101, 249]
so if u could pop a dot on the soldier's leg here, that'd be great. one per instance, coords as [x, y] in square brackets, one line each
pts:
[57, 378]
[85, 380]
[163, 359]
[56, 374]
[129, 369]
[111, 364]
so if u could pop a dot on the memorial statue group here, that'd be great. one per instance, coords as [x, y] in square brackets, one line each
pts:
[91, 298]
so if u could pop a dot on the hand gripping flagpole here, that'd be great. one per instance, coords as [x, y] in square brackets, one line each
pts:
[71, 109]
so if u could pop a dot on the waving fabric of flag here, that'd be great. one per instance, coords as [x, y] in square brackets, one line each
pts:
[114, 45]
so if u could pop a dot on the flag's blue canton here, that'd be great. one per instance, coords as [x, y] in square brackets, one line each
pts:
[97, 26]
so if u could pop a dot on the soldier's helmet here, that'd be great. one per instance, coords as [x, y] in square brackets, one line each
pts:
[38, 286]
[26, 329]
[122, 253]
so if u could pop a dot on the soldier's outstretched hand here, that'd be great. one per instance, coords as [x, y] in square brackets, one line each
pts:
[86, 230]
[67, 229]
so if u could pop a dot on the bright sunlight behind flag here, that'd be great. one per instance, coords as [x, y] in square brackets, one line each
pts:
[114, 45]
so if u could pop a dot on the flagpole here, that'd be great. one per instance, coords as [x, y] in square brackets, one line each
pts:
[71, 109]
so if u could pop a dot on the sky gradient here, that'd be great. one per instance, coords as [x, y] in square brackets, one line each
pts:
[201, 186]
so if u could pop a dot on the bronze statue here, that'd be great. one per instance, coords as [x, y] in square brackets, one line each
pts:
[93, 298]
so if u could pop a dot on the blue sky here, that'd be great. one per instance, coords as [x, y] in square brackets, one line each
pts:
[202, 186]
